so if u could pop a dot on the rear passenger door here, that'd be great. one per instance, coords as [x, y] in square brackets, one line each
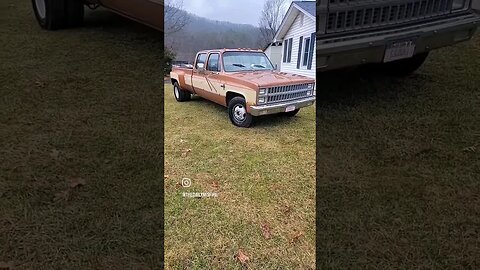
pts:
[213, 78]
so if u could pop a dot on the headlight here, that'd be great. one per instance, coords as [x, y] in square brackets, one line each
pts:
[262, 91]
[309, 93]
[458, 4]
[261, 100]
[310, 86]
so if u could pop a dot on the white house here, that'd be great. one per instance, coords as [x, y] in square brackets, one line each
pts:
[274, 53]
[297, 35]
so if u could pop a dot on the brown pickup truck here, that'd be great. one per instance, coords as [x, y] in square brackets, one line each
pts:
[245, 81]
[58, 14]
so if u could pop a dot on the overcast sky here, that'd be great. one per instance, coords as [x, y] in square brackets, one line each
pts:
[235, 11]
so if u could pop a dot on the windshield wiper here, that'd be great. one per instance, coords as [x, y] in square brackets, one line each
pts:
[258, 66]
[238, 65]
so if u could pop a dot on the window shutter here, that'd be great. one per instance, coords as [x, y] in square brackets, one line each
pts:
[285, 44]
[290, 41]
[312, 44]
[300, 43]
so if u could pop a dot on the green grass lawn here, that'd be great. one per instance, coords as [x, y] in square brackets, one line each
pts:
[398, 166]
[264, 175]
[80, 104]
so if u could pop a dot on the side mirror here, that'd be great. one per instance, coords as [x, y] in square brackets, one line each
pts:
[276, 67]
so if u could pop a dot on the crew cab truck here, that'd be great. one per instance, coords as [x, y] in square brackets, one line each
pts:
[395, 35]
[59, 14]
[245, 82]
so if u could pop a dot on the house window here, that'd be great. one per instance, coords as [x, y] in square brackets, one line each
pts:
[287, 50]
[290, 41]
[306, 51]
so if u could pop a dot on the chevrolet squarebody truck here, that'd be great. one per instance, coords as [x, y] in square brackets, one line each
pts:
[395, 34]
[58, 14]
[245, 82]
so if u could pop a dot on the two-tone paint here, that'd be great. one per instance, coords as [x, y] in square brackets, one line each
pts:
[220, 86]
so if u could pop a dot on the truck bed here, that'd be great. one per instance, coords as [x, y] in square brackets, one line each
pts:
[184, 77]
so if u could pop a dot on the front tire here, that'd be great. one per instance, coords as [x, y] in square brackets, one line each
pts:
[58, 14]
[180, 95]
[237, 111]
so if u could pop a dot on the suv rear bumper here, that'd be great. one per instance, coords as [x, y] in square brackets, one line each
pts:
[280, 107]
[357, 49]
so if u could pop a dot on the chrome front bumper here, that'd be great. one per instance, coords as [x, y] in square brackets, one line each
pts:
[356, 49]
[280, 107]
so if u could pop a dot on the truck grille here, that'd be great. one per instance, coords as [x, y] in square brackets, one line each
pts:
[287, 92]
[345, 15]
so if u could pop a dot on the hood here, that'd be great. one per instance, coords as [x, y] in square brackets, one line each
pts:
[265, 79]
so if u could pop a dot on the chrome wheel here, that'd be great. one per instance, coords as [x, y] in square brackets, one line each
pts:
[176, 92]
[41, 9]
[239, 112]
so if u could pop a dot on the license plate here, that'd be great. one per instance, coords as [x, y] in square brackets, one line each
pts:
[290, 108]
[399, 50]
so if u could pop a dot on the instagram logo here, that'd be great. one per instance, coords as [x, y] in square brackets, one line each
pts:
[186, 182]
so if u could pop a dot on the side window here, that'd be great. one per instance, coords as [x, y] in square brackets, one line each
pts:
[285, 50]
[290, 41]
[306, 52]
[212, 64]
[200, 63]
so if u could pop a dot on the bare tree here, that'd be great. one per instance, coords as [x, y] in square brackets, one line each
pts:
[175, 17]
[272, 15]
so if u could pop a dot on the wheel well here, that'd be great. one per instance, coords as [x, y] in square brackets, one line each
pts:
[173, 81]
[231, 95]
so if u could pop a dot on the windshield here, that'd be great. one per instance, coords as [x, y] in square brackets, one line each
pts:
[246, 61]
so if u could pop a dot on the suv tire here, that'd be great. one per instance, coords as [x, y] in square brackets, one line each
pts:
[237, 111]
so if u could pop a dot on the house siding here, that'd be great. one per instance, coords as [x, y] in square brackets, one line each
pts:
[275, 55]
[295, 32]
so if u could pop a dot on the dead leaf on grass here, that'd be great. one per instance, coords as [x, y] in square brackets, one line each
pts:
[39, 84]
[286, 209]
[242, 258]
[266, 231]
[76, 182]
[166, 176]
[73, 183]
[215, 184]
[185, 152]
[296, 236]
